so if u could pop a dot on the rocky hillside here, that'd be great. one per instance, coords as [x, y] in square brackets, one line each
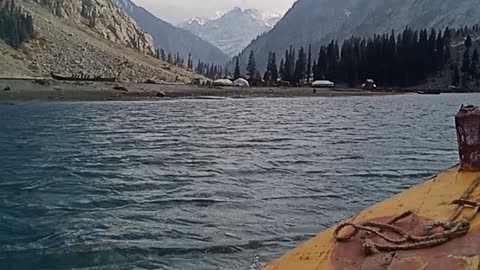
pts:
[69, 39]
[318, 21]
[173, 39]
[233, 31]
[103, 17]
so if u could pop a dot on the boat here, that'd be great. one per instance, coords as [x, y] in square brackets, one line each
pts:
[434, 225]
[82, 78]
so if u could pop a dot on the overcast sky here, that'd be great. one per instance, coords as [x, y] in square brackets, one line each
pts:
[176, 11]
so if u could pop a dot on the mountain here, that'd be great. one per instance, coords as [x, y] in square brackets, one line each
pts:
[233, 31]
[173, 39]
[318, 21]
[84, 37]
[104, 18]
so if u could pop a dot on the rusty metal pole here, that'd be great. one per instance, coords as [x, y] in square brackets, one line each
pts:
[467, 123]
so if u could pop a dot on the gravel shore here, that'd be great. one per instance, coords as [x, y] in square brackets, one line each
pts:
[52, 90]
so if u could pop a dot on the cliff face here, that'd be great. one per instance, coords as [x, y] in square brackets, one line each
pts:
[104, 18]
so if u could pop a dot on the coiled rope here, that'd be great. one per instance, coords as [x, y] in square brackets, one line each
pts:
[405, 239]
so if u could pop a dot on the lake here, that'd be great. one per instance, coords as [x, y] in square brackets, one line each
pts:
[204, 184]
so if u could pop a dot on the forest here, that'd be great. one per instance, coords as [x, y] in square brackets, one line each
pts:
[402, 60]
[16, 26]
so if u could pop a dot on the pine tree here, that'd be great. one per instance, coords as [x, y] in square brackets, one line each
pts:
[287, 72]
[440, 51]
[309, 63]
[198, 69]
[466, 67]
[189, 60]
[456, 77]
[300, 67]
[267, 76]
[321, 64]
[170, 58]
[468, 42]
[252, 67]
[447, 40]
[162, 55]
[282, 69]
[236, 73]
[292, 65]
[268, 73]
[273, 67]
[314, 69]
[258, 76]
[474, 65]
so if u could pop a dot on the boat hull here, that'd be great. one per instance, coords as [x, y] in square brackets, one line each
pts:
[431, 200]
[90, 79]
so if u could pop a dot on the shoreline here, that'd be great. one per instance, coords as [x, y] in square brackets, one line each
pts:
[31, 89]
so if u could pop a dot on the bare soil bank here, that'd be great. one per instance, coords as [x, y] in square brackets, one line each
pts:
[46, 89]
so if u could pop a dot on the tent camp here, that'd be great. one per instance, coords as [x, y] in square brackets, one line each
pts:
[323, 83]
[223, 82]
[241, 83]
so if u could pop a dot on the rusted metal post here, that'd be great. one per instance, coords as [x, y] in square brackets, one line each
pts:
[467, 123]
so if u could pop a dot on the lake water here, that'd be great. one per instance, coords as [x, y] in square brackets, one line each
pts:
[204, 184]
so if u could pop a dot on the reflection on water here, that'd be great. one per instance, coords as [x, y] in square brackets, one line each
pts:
[204, 184]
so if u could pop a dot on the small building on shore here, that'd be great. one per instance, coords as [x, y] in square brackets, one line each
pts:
[369, 85]
[323, 84]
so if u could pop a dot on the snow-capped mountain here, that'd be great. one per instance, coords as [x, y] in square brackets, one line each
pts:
[234, 30]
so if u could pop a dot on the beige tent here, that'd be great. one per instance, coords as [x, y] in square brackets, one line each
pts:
[223, 82]
[323, 83]
[241, 83]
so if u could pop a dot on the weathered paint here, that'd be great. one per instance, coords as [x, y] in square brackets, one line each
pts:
[431, 200]
[472, 263]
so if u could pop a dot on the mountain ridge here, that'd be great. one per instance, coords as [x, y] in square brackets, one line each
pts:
[171, 38]
[234, 30]
[317, 22]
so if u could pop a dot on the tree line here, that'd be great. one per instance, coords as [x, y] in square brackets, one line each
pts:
[16, 26]
[403, 59]
[469, 67]
[209, 70]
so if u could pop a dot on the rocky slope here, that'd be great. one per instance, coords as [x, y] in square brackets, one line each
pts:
[103, 17]
[233, 31]
[173, 39]
[67, 43]
[318, 21]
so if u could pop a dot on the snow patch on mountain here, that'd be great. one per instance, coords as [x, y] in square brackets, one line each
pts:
[199, 21]
[232, 31]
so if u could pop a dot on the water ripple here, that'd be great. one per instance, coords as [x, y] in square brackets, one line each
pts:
[204, 184]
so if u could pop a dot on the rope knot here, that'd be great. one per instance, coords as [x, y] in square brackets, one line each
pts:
[369, 247]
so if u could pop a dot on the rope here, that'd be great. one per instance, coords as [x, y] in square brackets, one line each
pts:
[405, 239]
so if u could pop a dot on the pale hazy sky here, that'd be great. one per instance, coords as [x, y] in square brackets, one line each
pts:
[176, 11]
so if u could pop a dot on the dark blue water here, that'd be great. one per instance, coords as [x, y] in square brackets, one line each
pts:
[204, 184]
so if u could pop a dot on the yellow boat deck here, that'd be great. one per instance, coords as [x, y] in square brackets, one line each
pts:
[431, 200]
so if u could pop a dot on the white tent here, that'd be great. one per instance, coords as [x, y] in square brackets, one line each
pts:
[223, 82]
[323, 83]
[241, 83]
